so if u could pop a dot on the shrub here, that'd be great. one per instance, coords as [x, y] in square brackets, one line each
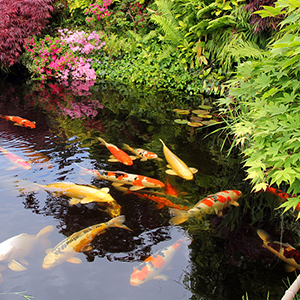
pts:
[19, 21]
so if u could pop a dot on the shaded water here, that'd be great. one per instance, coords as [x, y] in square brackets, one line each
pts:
[214, 262]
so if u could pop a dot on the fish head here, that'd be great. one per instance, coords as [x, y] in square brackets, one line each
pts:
[5, 252]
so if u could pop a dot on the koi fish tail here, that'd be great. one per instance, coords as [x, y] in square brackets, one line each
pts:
[127, 147]
[263, 235]
[43, 236]
[180, 216]
[102, 141]
[118, 222]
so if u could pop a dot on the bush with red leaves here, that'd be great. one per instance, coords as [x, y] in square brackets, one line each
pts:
[20, 19]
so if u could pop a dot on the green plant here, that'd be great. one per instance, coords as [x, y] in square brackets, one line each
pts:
[264, 103]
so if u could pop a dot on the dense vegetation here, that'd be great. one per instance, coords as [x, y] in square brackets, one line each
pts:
[181, 45]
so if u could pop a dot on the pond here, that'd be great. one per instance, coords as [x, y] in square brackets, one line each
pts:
[220, 257]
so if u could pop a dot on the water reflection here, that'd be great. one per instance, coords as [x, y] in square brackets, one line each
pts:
[224, 258]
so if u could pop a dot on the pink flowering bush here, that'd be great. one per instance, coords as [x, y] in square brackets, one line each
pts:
[96, 11]
[67, 57]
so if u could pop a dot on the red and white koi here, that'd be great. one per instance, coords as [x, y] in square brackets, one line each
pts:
[16, 160]
[284, 251]
[176, 165]
[152, 266]
[118, 155]
[143, 154]
[120, 178]
[19, 121]
[211, 204]
[78, 242]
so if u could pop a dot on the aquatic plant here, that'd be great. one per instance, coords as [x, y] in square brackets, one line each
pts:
[18, 22]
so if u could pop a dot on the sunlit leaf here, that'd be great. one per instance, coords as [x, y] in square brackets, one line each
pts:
[205, 106]
[181, 121]
[205, 116]
[182, 111]
[210, 122]
[195, 119]
[195, 124]
[200, 112]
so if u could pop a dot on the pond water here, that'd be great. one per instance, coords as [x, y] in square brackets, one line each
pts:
[220, 258]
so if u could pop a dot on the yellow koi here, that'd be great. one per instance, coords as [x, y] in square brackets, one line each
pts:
[79, 242]
[176, 165]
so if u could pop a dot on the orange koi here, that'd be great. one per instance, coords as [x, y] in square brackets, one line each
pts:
[284, 196]
[120, 178]
[211, 204]
[20, 121]
[118, 155]
[152, 266]
[161, 201]
[16, 160]
[143, 154]
[170, 189]
[284, 251]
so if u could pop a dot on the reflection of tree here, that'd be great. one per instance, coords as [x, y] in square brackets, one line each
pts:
[148, 224]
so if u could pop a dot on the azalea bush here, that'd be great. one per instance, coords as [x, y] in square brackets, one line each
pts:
[264, 102]
[67, 57]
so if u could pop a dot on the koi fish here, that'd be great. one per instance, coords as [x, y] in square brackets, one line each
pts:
[79, 242]
[170, 189]
[284, 251]
[37, 157]
[15, 249]
[152, 266]
[176, 165]
[16, 160]
[79, 193]
[284, 196]
[20, 121]
[112, 208]
[211, 204]
[161, 201]
[118, 155]
[144, 155]
[120, 178]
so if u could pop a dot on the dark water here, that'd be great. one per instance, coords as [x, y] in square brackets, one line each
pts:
[221, 258]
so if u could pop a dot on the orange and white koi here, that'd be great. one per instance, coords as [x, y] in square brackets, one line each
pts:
[284, 251]
[16, 160]
[79, 242]
[153, 266]
[118, 155]
[79, 193]
[120, 178]
[143, 154]
[20, 121]
[176, 165]
[211, 204]
[284, 196]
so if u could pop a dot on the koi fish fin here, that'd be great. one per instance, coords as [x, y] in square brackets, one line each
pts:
[171, 172]
[193, 170]
[289, 268]
[87, 248]
[74, 260]
[263, 235]
[74, 201]
[105, 190]
[11, 168]
[180, 216]
[133, 157]
[118, 222]
[16, 124]
[86, 200]
[234, 203]
[48, 250]
[136, 188]
[127, 147]
[163, 277]
[121, 188]
[160, 206]
[144, 159]
[158, 158]
[113, 159]
[16, 266]
[45, 231]
[117, 184]
[219, 213]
